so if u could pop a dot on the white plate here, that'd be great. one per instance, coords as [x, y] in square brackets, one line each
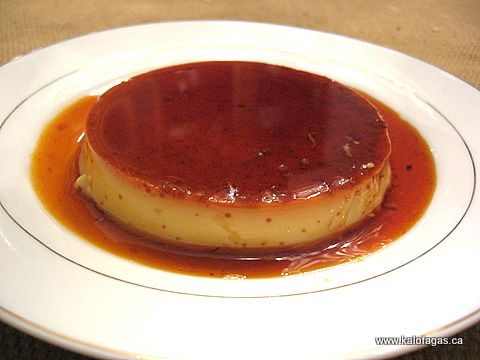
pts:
[64, 290]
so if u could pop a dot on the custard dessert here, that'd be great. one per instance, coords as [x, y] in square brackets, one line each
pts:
[235, 155]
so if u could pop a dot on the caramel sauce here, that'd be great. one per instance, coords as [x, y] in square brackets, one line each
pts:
[54, 171]
[231, 131]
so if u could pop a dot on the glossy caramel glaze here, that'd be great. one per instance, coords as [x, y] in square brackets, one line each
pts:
[238, 132]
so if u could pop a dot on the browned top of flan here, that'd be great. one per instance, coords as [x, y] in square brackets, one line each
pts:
[238, 132]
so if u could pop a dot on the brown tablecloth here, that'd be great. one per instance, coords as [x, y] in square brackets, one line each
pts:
[443, 33]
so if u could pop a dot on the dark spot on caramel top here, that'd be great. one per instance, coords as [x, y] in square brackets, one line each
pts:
[238, 132]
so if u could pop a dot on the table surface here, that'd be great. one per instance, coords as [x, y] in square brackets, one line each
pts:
[443, 33]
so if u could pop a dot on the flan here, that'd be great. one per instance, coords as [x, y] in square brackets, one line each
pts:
[234, 154]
